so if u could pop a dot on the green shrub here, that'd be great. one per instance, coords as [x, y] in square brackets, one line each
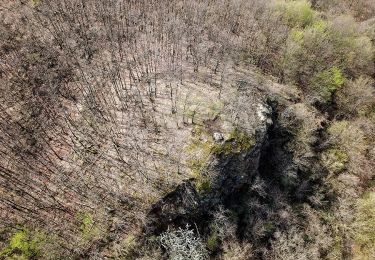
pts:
[353, 138]
[320, 26]
[352, 50]
[129, 244]
[357, 98]
[319, 56]
[35, 3]
[327, 82]
[296, 13]
[213, 242]
[305, 53]
[359, 59]
[335, 160]
[87, 226]
[24, 245]
[364, 228]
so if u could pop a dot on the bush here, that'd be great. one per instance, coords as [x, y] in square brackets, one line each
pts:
[353, 51]
[335, 160]
[311, 242]
[364, 228]
[352, 138]
[320, 55]
[24, 245]
[183, 244]
[360, 9]
[306, 53]
[213, 242]
[327, 82]
[296, 13]
[238, 251]
[88, 229]
[357, 98]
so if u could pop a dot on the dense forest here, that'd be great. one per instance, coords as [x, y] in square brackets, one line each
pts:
[187, 129]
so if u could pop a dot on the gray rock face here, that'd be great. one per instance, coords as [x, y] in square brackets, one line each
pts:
[180, 207]
[230, 172]
[218, 137]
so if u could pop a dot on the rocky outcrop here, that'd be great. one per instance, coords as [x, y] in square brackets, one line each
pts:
[260, 184]
[229, 174]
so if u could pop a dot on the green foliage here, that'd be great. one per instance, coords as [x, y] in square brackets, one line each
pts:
[129, 244]
[369, 112]
[238, 142]
[360, 57]
[24, 244]
[357, 98]
[335, 160]
[328, 81]
[353, 51]
[202, 146]
[320, 26]
[297, 35]
[296, 13]
[199, 151]
[304, 53]
[322, 54]
[87, 226]
[213, 242]
[364, 227]
[35, 3]
[203, 183]
[348, 136]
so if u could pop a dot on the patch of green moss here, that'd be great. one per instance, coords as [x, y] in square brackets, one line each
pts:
[238, 142]
[24, 244]
[203, 184]
[202, 146]
[199, 151]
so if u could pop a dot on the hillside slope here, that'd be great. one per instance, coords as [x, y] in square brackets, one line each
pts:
[223, 129]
